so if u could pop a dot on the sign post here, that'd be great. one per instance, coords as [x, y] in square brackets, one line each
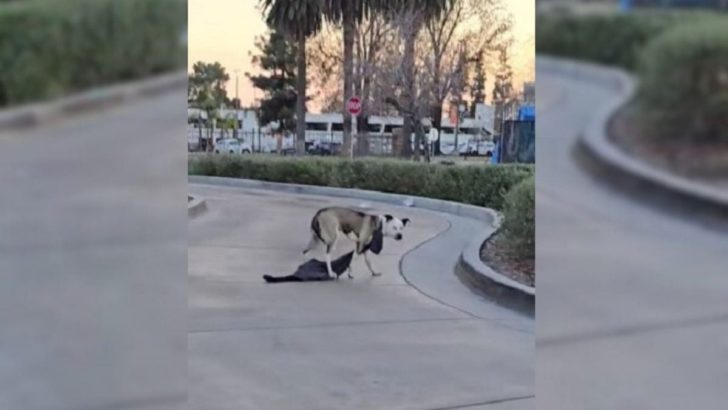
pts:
[353, 105]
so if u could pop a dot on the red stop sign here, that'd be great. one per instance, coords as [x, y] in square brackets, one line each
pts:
[353, 105]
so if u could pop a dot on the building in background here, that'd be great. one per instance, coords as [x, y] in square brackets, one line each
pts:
[324, 131]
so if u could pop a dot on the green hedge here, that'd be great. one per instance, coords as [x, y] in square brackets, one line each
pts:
[612, 39]
[478, 185]
[519, 234]
[684, 82]
[53, 47]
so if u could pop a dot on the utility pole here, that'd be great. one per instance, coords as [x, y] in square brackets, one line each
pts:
[459, 116]
[237, 103]
[256, 104]
[353, 136]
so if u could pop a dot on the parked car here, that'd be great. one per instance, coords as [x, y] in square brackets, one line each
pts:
[477, 148]
[232, 146]
[323, 148]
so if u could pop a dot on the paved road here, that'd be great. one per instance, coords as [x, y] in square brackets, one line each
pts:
[632, 306]
[92, 261]
[366, 343]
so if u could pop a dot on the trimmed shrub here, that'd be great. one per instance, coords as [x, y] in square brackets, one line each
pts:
[50, 48]
[611, 39]
[519, 233]
[684, 82]
[477, 185]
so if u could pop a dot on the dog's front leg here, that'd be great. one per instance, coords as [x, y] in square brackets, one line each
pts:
[369, 265]
[349, 271]
[329, 249]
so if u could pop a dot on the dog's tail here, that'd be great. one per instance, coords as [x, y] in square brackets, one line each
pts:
[315, 227]
[278, 279]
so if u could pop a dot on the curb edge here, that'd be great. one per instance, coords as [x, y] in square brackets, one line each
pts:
[595, 143]
[40, 113]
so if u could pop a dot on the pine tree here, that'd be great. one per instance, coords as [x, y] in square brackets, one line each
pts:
[503, 92]
[206, 91]
[477, 89]
[277, 61]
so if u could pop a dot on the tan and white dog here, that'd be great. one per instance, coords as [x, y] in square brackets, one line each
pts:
[329, 224]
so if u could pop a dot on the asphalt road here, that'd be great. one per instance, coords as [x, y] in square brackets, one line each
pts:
[366, 343]
[632, 308]
[93, 261]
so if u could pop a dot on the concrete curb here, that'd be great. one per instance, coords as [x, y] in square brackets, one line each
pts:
[32, 115]
[499, 288]
[595, 142]
[477, 274]
[195, 206]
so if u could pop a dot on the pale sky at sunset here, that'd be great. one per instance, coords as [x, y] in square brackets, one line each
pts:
[225, 31]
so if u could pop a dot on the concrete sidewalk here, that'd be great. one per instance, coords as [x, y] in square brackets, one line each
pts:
[632, 306]
[366, 343]
[92, 261]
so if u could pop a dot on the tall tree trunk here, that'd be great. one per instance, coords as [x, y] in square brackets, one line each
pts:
[301, 97]
[210, 128]
[415, 144]
[359, 148]
[362, 123]
[199, 138]
[436, 114]
[421, 140]
[349, 32]
[408, 62]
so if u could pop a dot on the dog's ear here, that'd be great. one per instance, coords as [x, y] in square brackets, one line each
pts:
[388, 217]
[405, 221]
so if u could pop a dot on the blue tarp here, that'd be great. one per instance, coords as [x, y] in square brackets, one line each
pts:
[496, 157]
[518, 142]
[527, 113]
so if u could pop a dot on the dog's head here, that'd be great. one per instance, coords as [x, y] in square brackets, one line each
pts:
[392, 227]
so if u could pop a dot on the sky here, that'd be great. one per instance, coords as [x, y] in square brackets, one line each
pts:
[225, 31]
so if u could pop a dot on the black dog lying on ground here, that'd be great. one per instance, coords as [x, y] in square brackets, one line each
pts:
[315, 270]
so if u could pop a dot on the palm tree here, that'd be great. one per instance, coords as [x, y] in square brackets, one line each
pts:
[349, 13]
[420, 12]
[299, 19]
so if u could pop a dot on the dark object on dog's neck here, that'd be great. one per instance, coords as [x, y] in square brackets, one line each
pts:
[377, 242]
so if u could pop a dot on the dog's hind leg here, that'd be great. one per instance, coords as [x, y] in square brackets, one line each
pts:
[369, 265]
[332, 275]
[359, 249]
[329, 250]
